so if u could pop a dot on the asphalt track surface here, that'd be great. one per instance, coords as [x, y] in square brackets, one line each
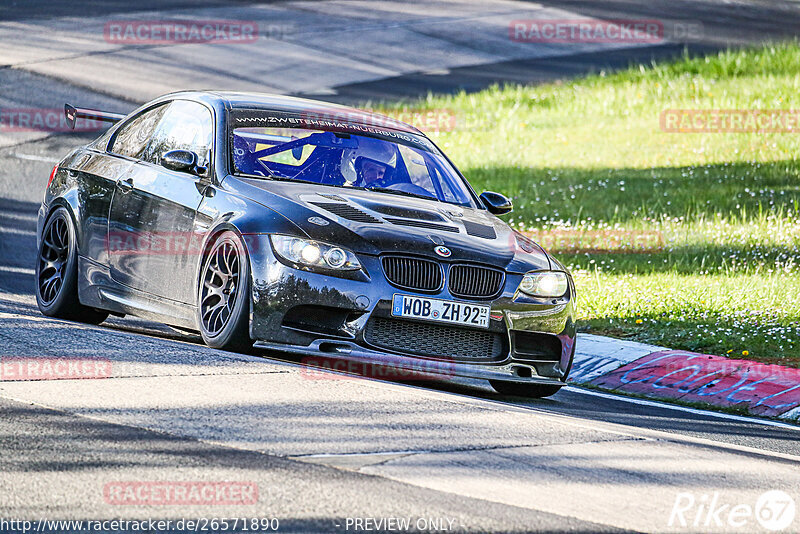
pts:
[323, 449]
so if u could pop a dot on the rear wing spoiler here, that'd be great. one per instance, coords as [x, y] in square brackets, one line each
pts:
[74, 113]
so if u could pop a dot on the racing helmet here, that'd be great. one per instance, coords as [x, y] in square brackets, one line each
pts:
[374, 150]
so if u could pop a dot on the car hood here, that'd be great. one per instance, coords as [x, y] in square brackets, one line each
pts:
[374, 223]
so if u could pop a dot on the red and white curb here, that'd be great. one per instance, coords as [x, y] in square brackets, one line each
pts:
[658, 372]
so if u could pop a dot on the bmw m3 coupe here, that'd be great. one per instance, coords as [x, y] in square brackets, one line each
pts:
[301, 226]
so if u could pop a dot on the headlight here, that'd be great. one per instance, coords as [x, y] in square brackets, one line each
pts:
[314, 253]
[544, 284]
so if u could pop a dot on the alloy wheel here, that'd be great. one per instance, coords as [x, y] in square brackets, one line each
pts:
[220, 286]
[53, 258]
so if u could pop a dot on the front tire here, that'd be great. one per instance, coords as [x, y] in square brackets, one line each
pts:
[57, 272]
[523, 389]
[224, 296]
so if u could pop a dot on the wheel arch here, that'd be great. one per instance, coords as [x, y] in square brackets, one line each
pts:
[71, 205]
[245, 217]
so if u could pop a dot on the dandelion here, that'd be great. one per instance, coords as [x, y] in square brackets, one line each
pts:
[745, 353]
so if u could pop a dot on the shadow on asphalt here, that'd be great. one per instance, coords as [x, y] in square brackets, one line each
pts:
[39, 441]
[17, 242]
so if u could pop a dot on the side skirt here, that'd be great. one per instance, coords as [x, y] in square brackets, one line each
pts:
[97, 289]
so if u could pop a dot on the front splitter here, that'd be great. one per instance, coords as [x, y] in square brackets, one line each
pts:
[413, 367]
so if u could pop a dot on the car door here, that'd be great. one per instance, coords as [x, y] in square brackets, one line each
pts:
[95, 174]
[127, 146]
[160, 205]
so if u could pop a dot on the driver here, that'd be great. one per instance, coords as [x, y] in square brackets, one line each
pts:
[369, 165]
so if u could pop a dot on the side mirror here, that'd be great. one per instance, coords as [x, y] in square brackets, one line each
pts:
[496, 203]
[182, 161]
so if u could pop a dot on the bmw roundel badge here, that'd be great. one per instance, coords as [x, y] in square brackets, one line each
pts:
[443, 251]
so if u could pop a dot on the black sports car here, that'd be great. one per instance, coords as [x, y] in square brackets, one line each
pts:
[301, 226]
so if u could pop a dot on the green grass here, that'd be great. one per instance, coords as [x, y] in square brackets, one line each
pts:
[589, 155]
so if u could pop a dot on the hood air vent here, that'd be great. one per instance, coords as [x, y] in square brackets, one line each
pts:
[480, 230]
[346, 211]
[422, 224]
[397, 211]
[329, 196]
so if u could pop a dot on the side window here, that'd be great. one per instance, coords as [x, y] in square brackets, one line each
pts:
[185, 125]
[132, 138]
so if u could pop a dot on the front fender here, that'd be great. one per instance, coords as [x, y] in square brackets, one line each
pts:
[225, 210]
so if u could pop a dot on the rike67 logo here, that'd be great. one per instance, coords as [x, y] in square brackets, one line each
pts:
[773, 511]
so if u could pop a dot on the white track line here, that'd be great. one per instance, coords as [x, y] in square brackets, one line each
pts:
[16, 231]
[17, 270]
[677, 407]
[18, 217]
[33, 157]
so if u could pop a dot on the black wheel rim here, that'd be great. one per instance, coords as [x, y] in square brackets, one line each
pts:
[53, 258]
[220, 286]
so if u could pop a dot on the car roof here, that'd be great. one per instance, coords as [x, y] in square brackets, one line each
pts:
[304, 106]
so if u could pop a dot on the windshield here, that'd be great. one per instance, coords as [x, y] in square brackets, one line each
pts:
[348, 160]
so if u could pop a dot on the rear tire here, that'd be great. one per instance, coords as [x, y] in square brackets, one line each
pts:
[57, 272]
[224, 296]
[522, 389]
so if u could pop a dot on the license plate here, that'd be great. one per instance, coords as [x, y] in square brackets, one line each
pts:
[442, 311]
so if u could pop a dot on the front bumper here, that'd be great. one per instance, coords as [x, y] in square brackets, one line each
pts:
[321, 315]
